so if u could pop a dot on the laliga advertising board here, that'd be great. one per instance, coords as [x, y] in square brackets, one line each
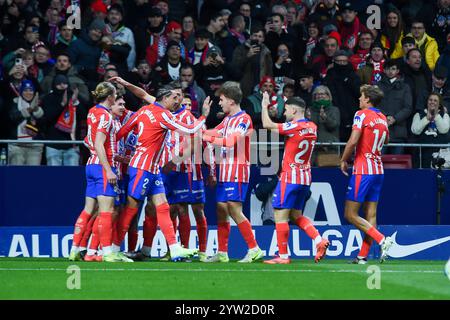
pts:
[411, 242]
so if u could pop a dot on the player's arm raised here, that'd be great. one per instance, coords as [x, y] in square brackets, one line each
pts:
[266, 121]
[131, 123]
[138, 92]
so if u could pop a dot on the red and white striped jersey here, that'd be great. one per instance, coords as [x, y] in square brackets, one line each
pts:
[179, 142]
[374, 132]
[299, 145]
[125, 146]
[153, 122]
[235, 160]
[99, 119]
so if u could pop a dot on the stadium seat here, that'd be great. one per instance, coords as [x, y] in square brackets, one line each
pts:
[397, 161]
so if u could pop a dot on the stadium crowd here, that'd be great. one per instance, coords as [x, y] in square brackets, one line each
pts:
[319, 50]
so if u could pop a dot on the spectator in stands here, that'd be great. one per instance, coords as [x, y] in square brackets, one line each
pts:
[439, 85]
[253, 60]
[149, 40]
[188, 32]
[306, 82]
[64, 39]
[408, 43]
[392, 33]
[326, 116]
[214, 71]
[350, 26]
[246, 11]
[196, 94]
[397, 104]
[417, 75]
[284, 68]
[24, 112]
[444, 58]
[29, 39]
[201, 47]
[120, 33]
[50, 29]
[252, 104]
[426, 44]
[276, 34]
[436, 17]
[85, 52]
[113, 52]
[288, 91]
[431, 125]
[373, 69]
[215, 27]
[326, 11]
[136, 14]
[64, 66]
[225, 13]
[312, 41]
[344, 84]
[323, 62]
[60, 107]
[174, 32]
[145, 78]
[163, 5]
[169, 67]
[234, 38]
[42, 61]
[362, 51]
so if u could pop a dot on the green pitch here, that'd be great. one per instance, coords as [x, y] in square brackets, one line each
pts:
[22, 278]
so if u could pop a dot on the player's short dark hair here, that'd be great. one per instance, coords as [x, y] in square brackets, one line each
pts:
[162, 92]
[296, 101]
[373, 92]
[231, 90]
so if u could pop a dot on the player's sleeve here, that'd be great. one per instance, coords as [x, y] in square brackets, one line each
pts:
[129, 125]
[287, 128]
[243, 129]
[218, 131]
[358, 120]
[168, 121]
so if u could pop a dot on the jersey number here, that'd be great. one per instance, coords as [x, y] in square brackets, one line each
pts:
[304, 148]
[377, 142]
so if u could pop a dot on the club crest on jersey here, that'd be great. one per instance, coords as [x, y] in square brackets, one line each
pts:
[242, 127]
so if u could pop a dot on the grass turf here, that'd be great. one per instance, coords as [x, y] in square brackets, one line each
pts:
[28, 278]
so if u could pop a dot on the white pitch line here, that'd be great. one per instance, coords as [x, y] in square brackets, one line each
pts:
[225, 270]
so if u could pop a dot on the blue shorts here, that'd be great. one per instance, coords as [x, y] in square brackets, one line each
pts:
[290, 196]
[181, 189]
[143, 183]
[365, 187]
[97, 184]
[231, 191]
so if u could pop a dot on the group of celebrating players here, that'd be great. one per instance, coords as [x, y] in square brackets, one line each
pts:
[157, 153]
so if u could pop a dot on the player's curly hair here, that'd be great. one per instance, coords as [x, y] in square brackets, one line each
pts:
[103, 90]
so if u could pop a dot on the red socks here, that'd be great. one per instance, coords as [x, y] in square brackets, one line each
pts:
[365, 248]
[223, 233]
[87, 233]
[105, 228]
[185, 229]
[246, 230]
[80, 227]
[165, 223]
[95, 240]
[202, 232]
[124, 223]
[375, 234]
[282, 237]
[150, 226]
[306, 225]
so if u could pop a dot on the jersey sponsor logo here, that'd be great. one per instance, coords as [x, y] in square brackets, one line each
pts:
[400, 251]
[289, 125]
[180, 191]
[158, 182]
